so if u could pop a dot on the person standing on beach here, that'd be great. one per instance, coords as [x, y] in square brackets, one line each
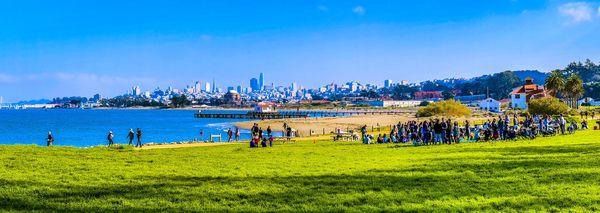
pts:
[237, 134]
[130, 136]
[110, 138]
[201, 134]
[229, 135]
[139, 138]
[49, 139]
[269, 131]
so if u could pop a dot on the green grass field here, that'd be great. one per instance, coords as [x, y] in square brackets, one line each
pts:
[558, 173]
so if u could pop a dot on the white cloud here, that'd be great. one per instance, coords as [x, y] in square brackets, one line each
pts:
[576, 12]
[360, 10]
[322, 8]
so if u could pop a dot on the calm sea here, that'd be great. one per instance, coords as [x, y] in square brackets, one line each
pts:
[84, 128]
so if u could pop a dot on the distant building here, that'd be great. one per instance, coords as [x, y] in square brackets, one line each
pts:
[135, 91]
[197, 87]
[264, 107]
[261, 81]
[390, 103]
[422, 95]
[490, 104]
[207, 87]
[521, 95]
[387, 83]
[233, 97]
[254, 84]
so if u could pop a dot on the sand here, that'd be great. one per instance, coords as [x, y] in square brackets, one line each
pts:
[328, 125]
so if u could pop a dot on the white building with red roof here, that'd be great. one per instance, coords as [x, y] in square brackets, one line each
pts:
[520, 96]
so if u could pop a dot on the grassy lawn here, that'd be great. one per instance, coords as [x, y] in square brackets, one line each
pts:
[545, 174]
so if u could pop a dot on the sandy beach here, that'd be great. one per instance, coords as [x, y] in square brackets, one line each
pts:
[327, 125]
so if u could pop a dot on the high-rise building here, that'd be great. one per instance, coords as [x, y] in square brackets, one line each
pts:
[387, 83]
[294, 87]
[261, 81]
[214, 86]
[207, 87]
[239, 89]
[197, 87]
[254, 84]
[135, 91]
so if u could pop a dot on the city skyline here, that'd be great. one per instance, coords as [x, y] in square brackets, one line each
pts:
[76, 48]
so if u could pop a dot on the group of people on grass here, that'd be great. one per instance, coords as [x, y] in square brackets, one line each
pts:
[231, 134]
[259, 138]
[448, 131]
[130, 136]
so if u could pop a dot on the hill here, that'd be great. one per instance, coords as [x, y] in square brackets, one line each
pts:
[547, 174]
[538, 77]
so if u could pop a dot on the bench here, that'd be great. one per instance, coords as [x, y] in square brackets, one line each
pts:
[212, 137]
[344, 137]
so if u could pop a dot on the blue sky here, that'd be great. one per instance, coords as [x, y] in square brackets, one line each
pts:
[64, 48]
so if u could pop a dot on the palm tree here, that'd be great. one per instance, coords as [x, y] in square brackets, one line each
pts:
[555, 82]
[573, 89]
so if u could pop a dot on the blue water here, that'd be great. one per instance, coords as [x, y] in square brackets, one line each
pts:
[84, 128]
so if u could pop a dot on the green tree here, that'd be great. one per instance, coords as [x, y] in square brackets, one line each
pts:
[573, 89]
[547, 106]
[555, 82]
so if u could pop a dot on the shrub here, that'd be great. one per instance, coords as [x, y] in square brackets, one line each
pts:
[547, 106]
[444, 108]
[424, 103]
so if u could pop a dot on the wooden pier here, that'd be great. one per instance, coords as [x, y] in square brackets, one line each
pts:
[282, 114]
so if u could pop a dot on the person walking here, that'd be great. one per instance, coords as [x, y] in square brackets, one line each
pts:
[562, 123]
[237, 134]
[130, 136]
[49, 139]
[110, 138]
[139, 138]
[229, 135]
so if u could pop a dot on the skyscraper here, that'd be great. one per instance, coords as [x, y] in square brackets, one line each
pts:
[197, 87]
[135, 91]
[261, 81]
[387, 83]
[207, 87]
[254, 84]
[214, 86]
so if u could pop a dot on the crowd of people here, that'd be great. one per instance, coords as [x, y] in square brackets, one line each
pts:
[261, 138]
[264, 138]
[448, 131]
